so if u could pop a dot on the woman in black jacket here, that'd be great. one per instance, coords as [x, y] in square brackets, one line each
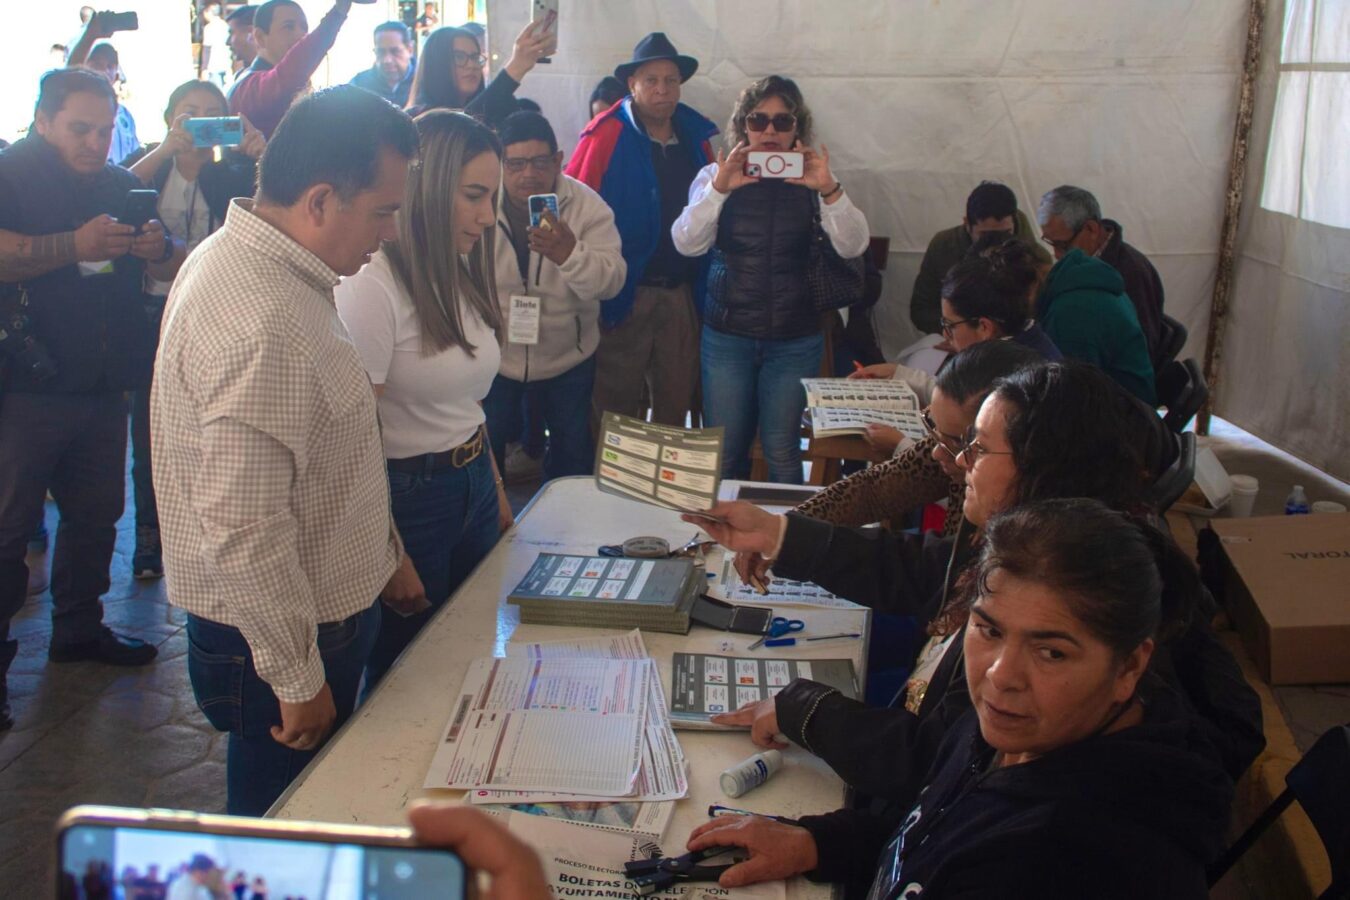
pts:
[1075, 774]
[1050, 431]
[195, 190]
[450, 73]
[761, 329]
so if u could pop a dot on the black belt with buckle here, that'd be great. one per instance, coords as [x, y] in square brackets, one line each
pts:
[459, 457]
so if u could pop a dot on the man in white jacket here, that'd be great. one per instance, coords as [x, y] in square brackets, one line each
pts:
[550, 282]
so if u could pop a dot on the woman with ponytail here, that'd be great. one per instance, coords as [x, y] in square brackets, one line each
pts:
[1077, 773]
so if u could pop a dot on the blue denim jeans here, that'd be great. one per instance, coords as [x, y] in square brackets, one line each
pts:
[235, 700]
[447, 518]
[566, 403]
[751, 384]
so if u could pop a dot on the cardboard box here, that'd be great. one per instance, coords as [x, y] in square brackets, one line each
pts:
[1288, 591]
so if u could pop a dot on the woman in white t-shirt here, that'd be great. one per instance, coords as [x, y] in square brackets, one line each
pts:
[428, 329]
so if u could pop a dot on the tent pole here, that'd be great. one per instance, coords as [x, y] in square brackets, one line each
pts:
[1237, 176]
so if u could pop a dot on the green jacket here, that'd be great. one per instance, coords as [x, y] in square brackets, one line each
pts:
[1084, 309]
[946, 249]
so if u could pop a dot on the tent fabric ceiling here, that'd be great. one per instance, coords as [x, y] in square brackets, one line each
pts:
[919, 100]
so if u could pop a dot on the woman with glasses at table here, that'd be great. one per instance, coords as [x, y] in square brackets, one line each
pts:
[1049, 431]
[761, 330]
[450, 73]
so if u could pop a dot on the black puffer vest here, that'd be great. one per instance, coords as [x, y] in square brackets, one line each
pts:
[757, 284]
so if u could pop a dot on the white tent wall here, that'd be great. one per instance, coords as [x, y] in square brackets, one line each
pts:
[918, 100]
[1285, 370]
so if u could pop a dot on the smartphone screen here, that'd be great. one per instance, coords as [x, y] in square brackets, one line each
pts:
[115, 861]
[541, 203]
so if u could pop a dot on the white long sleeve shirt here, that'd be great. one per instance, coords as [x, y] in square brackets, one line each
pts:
[696, 229]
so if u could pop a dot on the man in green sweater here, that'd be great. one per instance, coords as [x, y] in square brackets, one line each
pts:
[1084, 310]
[990, 207]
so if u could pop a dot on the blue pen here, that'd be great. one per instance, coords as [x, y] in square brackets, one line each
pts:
[791, 642]
[715, 811]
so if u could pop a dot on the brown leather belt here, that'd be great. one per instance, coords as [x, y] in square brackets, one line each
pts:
[459, 457]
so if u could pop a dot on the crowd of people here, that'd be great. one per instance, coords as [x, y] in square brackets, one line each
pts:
[341, 355]
[198, 878]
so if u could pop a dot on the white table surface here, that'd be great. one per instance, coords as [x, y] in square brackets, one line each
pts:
[376, 764]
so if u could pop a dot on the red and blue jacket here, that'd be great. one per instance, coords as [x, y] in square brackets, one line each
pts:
[614, 158]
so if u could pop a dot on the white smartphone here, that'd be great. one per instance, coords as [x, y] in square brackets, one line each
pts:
[98, 845]
[775, 164]
[546, 12]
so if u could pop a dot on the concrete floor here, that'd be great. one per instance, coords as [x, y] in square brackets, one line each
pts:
[134, 737]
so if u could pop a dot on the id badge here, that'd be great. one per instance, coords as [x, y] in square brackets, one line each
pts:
[522, 326]
[103, 267]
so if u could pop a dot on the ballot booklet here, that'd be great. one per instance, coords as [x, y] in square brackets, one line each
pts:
[677, 468]
[703, 685]
[840, 406]
[605, 592]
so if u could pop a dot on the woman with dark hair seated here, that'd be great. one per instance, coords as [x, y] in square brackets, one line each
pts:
[1051, 431]
[450, 73]
[1077, 773]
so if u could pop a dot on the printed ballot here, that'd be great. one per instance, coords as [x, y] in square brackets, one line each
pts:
[703, 686]
[570, 725]
[676, 468]
[848, 405]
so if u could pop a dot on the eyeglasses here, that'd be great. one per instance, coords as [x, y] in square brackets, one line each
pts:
[973, 449]
[781, 122]
[1065, 245]
[947, 327]
[518, 164]
[953, 444]
[468, 59]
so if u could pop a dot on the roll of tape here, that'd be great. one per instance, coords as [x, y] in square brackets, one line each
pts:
[646, 547]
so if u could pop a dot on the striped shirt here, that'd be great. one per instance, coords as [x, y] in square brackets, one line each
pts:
[273, 497]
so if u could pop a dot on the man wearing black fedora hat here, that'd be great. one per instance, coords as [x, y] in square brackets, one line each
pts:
[641, 155]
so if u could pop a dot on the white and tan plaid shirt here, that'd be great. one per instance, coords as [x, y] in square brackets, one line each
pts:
[273, 497]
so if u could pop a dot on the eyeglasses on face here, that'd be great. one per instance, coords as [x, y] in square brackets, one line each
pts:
[781, 122]
[973, 449]
[518, 164]
[952, 443]
[949, 326]
[462, 59]
[1066, 245]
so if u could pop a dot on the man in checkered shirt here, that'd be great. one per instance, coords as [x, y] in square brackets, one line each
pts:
[269, 469]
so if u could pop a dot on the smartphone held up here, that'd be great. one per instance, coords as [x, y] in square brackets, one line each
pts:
[544, 13]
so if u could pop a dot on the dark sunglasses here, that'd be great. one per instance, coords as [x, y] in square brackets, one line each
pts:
[782, 122]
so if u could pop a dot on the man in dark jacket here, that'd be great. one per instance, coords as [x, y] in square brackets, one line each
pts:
[991, 207]
[391, 76]
[1071, 218]
[74, 273]
[641, 155]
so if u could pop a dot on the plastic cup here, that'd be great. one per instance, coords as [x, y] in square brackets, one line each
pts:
[1328, 506]
[1244, 496]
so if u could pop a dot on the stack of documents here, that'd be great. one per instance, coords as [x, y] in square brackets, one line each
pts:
[602, 592]
[848, 405]
[703, 686]
[569, 722]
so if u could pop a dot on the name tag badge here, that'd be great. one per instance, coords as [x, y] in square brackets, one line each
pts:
[104, 267]
[522, 326]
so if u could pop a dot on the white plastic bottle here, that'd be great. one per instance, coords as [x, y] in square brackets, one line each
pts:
[750, 774]
[1296, 504]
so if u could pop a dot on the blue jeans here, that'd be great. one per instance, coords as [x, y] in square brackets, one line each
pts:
[750, 383]
[235, 700]
[447, 518]
[566, 403]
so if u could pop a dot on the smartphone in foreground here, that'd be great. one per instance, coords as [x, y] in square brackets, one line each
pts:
[545, 13]
[539, 204]
[224, 131]
[100, 848]
[775, 164]
[139, 208]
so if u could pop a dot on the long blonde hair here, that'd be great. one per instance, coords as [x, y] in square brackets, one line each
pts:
[423, 258]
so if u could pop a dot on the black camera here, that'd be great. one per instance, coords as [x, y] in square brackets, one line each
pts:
[24, 352]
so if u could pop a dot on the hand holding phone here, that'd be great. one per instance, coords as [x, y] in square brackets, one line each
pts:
[775, 164]
[139, 208]
[224, 131]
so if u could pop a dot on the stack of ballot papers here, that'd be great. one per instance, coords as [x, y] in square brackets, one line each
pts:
[568, 722]
[704, 685]
[602, 592]
[848, 405]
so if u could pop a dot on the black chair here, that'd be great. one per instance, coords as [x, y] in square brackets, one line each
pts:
[1176, 478]
[1319, 783]
[1182, 389]
[1171, 338]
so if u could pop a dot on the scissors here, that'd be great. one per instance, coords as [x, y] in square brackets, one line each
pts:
[778, 627]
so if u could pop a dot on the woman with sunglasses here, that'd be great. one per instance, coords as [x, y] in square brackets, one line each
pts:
[1050, 431]
[761, 331]
[450, 73]
[1078, 772]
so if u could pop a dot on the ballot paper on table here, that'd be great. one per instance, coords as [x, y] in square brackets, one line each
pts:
[827, 421]
[571, 725]
[676, 468]
[780, 592]
[584, 863]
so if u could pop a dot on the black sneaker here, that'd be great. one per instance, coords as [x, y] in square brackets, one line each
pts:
[147, 563]
[108, 648]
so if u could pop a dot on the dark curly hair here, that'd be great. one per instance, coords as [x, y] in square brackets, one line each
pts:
[771, 86]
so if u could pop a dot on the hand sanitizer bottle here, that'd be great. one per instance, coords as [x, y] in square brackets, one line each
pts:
[1297, 502]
